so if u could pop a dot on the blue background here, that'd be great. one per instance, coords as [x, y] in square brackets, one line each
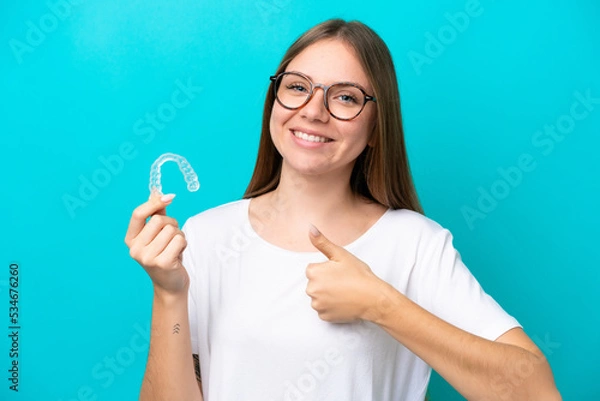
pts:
[80, 92]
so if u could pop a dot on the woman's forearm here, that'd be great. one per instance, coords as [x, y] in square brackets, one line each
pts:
[170, 371]
[477, 368]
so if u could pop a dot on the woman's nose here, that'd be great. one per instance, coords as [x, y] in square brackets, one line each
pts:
[315, 108]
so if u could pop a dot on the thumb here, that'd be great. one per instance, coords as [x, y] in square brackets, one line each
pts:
[160, 202]
[328, 248]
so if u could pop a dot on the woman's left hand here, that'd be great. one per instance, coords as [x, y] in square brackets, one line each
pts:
[344, 288]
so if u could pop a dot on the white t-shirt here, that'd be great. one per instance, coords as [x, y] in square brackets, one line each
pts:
[258, 338]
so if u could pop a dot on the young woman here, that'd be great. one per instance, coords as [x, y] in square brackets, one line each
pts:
[326, 281]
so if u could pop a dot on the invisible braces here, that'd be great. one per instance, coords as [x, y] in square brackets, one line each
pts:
[189, 175]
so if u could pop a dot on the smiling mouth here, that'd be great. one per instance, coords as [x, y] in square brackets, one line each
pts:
[311, 138]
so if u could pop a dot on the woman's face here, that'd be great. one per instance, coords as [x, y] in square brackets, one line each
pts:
[325, 62]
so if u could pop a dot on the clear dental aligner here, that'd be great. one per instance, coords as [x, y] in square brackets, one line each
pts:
[189, 175]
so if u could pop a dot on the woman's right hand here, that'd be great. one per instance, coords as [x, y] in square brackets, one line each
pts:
[158, 246]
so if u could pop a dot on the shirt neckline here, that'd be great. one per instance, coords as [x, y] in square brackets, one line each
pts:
[363, 237]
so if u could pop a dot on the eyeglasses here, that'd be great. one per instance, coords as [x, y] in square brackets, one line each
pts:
[343, 100]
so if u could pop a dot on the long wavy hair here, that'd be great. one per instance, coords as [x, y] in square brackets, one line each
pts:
[381, 172]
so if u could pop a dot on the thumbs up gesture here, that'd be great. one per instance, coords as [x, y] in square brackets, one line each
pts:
[344, 288]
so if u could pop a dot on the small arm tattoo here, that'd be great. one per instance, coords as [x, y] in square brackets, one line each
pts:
[197, 367]
[176, 329]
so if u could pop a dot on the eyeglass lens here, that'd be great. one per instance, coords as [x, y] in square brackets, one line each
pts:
[344, 101]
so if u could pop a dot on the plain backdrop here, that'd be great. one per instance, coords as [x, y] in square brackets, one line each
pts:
[501, 110]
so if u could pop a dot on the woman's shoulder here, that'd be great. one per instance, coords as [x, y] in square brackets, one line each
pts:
[412, 219]
[406, 223]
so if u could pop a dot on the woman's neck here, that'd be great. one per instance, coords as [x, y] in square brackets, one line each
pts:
[313, 199]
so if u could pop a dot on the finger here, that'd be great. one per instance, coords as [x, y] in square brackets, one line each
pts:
[154, 205]
[174, 249]
[310, 271]
[328, 248]
[161, 240]
[310, 290]
[164, 199]
[153, 228]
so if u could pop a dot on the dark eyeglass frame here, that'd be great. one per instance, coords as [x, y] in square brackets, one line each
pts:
[325, 88]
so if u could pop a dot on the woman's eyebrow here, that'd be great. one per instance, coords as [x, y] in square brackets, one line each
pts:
[303, 73]
[337, 81]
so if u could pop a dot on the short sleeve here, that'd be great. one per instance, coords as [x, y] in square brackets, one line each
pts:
[188, 263]
[449, 290]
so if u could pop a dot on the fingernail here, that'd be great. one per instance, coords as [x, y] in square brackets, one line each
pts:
[167, 198]
[314, 231]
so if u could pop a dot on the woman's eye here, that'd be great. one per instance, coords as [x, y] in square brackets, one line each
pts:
[347, 98]
[297, 88]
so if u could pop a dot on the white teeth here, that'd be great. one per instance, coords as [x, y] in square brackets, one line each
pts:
[309, 138]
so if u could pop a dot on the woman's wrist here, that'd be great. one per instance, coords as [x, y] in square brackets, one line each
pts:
[170, 298]
[382, 301]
